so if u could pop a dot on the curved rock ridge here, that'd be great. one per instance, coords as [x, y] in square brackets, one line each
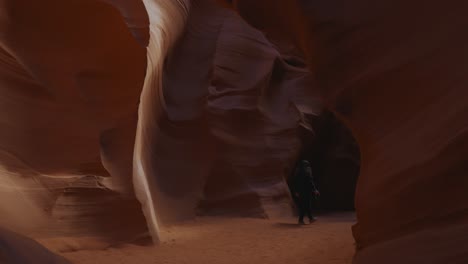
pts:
[167, 22]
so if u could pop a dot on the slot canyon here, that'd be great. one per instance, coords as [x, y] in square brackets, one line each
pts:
[167, 131]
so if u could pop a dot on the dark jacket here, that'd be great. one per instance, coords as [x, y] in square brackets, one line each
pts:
[302, 181]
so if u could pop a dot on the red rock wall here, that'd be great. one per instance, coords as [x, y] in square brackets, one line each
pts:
[69, 90]
[394, 71]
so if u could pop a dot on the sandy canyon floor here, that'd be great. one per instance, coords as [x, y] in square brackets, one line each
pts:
[229, 241]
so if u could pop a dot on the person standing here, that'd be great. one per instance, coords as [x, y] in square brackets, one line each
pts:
[303, 189]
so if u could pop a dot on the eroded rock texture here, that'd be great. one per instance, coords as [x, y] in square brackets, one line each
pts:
[233, 104]
[394, 71]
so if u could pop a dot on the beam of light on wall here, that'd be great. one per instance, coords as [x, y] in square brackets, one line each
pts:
[167, 22]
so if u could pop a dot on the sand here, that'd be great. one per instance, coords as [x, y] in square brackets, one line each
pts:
[237, 241]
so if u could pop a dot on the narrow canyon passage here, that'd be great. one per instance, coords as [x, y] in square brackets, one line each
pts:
[182, 122]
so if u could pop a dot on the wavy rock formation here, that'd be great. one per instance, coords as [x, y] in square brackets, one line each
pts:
[69, 107]
[394, 71]
[69, 94]
[72, 131]
[232, 107]
[167, 22]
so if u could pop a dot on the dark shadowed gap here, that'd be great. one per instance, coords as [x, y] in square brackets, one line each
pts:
[335, 159]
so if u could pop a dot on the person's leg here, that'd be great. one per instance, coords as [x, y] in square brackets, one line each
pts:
[302, 210]
[309, 210]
